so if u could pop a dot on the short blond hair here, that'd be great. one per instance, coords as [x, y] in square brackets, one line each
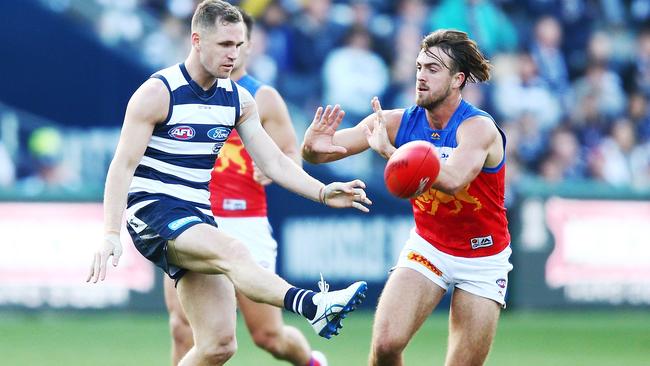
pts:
[209, 12]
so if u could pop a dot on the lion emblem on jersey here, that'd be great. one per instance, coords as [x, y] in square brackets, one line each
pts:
[435, 198]
[231, 154]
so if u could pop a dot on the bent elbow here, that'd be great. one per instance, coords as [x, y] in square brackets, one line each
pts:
[450, 187]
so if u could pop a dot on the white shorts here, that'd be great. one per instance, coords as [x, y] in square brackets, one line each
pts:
[483, 276]
[255, 233]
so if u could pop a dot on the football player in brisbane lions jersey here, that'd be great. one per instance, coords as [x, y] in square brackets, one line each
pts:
[238, 201]
[461, 237]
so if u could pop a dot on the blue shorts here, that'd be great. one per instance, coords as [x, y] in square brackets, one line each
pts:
[153, 225]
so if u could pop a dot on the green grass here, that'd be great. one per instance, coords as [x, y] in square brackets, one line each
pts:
[530, 339]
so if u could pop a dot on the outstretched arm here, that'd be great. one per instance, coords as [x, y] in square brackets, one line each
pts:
[148, 106]
[286, 173]
[323, 143]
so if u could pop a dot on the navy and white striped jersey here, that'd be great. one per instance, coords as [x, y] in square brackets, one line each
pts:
[182, 150]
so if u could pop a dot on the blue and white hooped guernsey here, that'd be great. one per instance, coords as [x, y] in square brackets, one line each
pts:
[182, 150]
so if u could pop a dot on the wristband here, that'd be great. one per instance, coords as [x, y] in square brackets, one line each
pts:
[321, 195]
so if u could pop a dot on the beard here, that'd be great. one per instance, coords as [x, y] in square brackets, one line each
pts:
[433, 101]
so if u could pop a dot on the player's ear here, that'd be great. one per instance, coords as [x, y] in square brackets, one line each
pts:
[459, 78]
[196, 40]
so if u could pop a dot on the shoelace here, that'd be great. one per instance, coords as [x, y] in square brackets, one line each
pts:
[322, 285]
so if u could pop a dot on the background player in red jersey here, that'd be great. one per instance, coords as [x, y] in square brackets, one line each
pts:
[238, 201]
[460, 237]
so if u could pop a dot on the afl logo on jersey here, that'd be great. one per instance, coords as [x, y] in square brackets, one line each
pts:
[182, 133]
[219, 133]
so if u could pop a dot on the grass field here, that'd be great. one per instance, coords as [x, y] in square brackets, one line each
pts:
[530, 339]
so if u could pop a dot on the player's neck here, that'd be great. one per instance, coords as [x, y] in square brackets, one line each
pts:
[200, 76]
[439, 116]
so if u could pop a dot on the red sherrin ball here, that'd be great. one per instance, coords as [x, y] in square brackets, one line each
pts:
[412, 169]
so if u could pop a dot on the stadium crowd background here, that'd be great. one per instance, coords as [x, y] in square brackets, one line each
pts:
[570, 84]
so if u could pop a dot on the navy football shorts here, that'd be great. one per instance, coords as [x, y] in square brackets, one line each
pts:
[153, 225]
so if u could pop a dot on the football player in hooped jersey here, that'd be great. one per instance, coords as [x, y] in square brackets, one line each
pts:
[174, 127]
[238, 201]
[461, 236]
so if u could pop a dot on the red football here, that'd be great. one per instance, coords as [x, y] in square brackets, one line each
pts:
[412, 169]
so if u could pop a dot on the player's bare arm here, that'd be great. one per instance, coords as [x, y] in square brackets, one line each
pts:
[479, 146]
[276, 121]
[148, 105]
[286, 173]
[274, 116]
[323, 143]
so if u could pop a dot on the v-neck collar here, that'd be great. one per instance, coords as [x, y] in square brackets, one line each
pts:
[196, 88]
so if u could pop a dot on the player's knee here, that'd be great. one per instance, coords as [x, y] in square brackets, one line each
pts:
[386, 346]
[230, 255]
[218, 352]
[267, 339]
[180, 331]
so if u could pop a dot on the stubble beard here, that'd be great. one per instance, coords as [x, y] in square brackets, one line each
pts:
[434, 101]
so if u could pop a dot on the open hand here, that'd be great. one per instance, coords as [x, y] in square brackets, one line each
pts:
[378, 138]
[110, 247]
[319, 135]
[348, 194]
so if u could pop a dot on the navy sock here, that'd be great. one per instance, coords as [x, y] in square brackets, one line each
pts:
[300, 301]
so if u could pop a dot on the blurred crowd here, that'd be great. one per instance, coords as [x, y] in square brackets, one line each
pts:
[570, 82]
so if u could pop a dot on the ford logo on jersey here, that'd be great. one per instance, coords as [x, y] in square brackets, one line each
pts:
[182, 133]
[219, 133]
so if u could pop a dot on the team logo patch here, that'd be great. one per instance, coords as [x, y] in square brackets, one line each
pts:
[501, 282]
[182, 133]
[481, 242]
[219, 133]
[179, 223]
[416, 257]
[217, 147]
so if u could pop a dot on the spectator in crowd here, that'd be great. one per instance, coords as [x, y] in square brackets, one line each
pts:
[547, 54]
[406, 45]
[165, 45]
[585, 65]
[120, 23]
[481, 19]
[642, 64]
[314, 35]
[603, 87]
[276, 25]
[638, 112]
[564, 160]
[524, 91]
[45, 146]
[353, 74]
[618, 160]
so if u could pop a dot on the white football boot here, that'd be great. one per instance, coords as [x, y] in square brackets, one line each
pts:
[332, 307]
